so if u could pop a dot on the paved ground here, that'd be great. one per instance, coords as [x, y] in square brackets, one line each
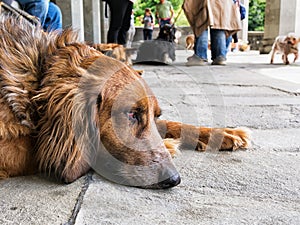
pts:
[260, 185]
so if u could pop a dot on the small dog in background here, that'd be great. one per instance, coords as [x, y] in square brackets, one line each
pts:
[118, 52]
[190, 41]
[285, 45]
[113, 50]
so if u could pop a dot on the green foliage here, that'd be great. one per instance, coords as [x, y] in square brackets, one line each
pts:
[256, 12]
[141, 5]
[256, 15]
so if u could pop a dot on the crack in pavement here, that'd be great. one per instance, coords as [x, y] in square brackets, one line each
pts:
[79, 200]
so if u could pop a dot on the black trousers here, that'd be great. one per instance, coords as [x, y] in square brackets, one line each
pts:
[120, 14]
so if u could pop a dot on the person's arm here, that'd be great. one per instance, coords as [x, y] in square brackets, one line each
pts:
[156, 13]
[151, 18]
[172, 13]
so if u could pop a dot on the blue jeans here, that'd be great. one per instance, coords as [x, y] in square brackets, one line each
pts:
[163, 22]
[48, 13]
[218, 44]
[147, 34]
[201, 45]
[38, 8]
[53, 19]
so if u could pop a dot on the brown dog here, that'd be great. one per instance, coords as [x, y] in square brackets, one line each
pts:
[66, 108]
[190, 41]
[285, 45]
[116, 51]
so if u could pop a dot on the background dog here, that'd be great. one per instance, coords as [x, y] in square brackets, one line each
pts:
[190, 41]
[116, 51]
[285, 45]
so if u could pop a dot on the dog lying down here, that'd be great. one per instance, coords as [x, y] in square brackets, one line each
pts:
[66, 108]
[285, 45]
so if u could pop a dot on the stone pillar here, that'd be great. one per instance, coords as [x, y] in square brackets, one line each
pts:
[72, 13]
[282, 17]
[92, 20]
[104, 21]
[96, 21]
[65, 6]
[244, 32]
[77, 17]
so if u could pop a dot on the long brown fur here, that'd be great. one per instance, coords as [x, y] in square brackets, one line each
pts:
[57, 98]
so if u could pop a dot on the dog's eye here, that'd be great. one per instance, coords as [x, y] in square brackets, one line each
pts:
[132, 116]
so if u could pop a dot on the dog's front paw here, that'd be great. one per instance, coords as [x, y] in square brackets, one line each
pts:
[236, 138]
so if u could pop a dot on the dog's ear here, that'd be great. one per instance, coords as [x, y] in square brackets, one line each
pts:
[286, 39]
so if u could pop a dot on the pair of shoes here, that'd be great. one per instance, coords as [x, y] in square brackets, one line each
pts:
[219, 61]
[195, 60]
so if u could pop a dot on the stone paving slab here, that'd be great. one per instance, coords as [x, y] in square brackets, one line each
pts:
[244, 187]
[37, 200]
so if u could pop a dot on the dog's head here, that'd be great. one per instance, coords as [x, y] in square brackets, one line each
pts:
[292, 39]
[125, 144]
[167, 33]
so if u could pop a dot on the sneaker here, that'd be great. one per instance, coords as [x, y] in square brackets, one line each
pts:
[195, 61]
[220, 61]
[188, 58]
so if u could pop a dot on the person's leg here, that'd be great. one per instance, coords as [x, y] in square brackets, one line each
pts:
[200, 51]
[53, 19]
[38, 8]
[218, 46]
[228, 43]
[129, 37]
[125, 23]
[235, 41]
[117, 12]
[150, 34]
[145, 34]
[201, 45]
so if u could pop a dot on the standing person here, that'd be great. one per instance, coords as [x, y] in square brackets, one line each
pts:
[222, 17]
[120, 15]
[164, 12]
[131, 32]
[48, 13]
[234, 37]
[148, 24]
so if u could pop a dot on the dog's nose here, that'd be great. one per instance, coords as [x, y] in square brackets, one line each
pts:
[170, 182]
